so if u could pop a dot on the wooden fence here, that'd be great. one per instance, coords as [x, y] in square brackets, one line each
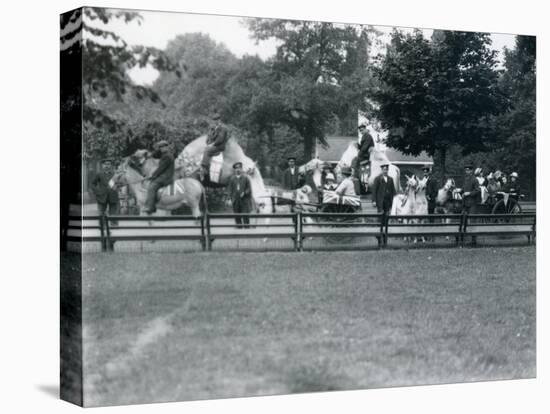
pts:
[297, 227]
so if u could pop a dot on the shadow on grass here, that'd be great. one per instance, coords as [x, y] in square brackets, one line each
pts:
[314, 378]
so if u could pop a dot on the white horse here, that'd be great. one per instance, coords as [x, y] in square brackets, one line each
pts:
[449, 198]
[412, 203]
[404, 204]
[188, 163]
[377, 158]
[184, 191]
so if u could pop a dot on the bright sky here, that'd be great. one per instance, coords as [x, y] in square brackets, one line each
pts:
[158, 28]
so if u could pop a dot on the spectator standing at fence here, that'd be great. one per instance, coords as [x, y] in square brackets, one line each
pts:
[291, 176]
[106, 195]
[471, 192]
[431, 188]
[161, 177]
[240, 194]
[383, 191]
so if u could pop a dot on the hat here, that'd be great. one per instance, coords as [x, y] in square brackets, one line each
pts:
[426, 167]
[361, 126]
[478, 170]
[468, 166]
[364, 162]
[104, 160]
[498, 174]
[238, 165]
[162, 143]
[514, 174]
[346, 171]
[306, 189]
[490, 176]
[330, 176]
[384, 164]
[291, 158]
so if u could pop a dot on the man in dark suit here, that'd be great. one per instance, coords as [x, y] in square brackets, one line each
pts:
[431, 188]
[105, 195]
[470, 191]
[383, 191]
[291, 178]
[241, 194]
[161, 177]
[215, 143]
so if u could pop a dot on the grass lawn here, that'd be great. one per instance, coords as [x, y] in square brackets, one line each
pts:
[164, 327]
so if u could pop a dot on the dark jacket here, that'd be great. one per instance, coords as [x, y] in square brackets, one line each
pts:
[511, 187]
[236, 187]
[292, 181]
[218, 137]
[431, 190]
[366, 143]
[471, 185]
[164, 173]
[100, 187]
[382, 190]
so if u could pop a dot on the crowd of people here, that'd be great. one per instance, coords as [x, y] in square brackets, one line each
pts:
[477, 186]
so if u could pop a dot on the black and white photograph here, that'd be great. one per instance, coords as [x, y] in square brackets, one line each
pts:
[256, 206]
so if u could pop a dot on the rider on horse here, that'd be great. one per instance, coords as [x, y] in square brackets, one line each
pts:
[365, 144]
[215, 144]
[161, 177]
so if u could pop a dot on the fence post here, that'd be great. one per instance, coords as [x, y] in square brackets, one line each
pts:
[464, 224]
[109, 244]
[102, 233]
[298, 232]
[203, 233]
[207, 229]
[385, 224]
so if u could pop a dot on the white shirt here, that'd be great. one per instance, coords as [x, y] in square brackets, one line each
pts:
[346, 187]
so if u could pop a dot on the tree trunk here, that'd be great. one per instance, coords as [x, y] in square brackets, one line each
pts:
[309, 147]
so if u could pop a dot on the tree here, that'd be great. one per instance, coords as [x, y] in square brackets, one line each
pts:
[439, 93]
[106, 59]
[319, 70]
[517, 126]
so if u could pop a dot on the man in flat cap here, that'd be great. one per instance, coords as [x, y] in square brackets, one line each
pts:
[216, 141]
[471, 191]
[366, 142]
[241, 194]
[161, 177]
[431, 188]
[383, 191]
[291, 177]
[105, 195]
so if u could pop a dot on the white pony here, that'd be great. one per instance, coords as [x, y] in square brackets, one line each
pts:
[377, 158]
[413, 202]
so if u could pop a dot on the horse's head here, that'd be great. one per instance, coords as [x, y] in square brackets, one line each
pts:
[449, 184]
[412, 182]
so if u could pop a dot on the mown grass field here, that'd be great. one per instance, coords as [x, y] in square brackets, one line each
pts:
[164, 327]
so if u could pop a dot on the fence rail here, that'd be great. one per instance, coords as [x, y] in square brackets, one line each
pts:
[297, 227]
